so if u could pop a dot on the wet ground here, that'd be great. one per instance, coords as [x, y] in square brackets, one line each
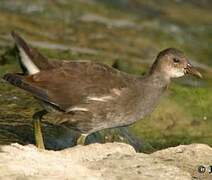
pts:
[128, 33]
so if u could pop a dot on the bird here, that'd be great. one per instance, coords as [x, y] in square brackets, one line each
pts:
[90, 96]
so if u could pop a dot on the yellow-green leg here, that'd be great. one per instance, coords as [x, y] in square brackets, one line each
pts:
[37, 129]
[81, 139]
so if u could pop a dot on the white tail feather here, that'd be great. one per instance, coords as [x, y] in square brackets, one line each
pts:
[27, 62]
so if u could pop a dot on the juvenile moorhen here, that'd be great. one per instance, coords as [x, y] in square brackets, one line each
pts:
[89, 96]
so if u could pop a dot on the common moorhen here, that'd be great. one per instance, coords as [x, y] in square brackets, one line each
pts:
[89, 96]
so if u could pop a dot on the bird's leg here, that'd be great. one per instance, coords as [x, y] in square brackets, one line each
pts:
[81, 139]
[37, 128]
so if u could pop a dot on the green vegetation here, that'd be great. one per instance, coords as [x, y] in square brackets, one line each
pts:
[129, 33]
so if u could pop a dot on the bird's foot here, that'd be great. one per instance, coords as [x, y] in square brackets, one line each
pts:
[37, 129]
[81, 139]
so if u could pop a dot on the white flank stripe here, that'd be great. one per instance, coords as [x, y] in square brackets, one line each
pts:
[77, 109]
[116, 91]
[27, 62]
[102, 99]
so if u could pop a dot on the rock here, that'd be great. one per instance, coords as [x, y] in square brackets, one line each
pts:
[103, 161]
[189, 158]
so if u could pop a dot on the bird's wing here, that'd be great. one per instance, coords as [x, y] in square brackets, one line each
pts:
[74, 83]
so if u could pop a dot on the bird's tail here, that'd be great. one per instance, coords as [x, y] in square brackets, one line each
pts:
[31, 59]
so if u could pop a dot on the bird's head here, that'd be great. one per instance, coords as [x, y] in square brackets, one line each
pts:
[172, 63]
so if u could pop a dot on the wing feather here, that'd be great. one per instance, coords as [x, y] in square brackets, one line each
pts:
[72, 83]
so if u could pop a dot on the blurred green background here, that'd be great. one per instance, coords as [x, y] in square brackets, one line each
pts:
[129, 33]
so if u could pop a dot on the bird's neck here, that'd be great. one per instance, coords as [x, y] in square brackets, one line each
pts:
[158, 79]
[149, 90]
[152, 86]
[155, 81]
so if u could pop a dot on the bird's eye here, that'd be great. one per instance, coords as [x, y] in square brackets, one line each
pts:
[176, 60]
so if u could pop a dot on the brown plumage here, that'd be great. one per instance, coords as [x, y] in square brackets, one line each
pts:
[89, 96]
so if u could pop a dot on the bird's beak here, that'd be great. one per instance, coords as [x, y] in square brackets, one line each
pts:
[191, 70]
